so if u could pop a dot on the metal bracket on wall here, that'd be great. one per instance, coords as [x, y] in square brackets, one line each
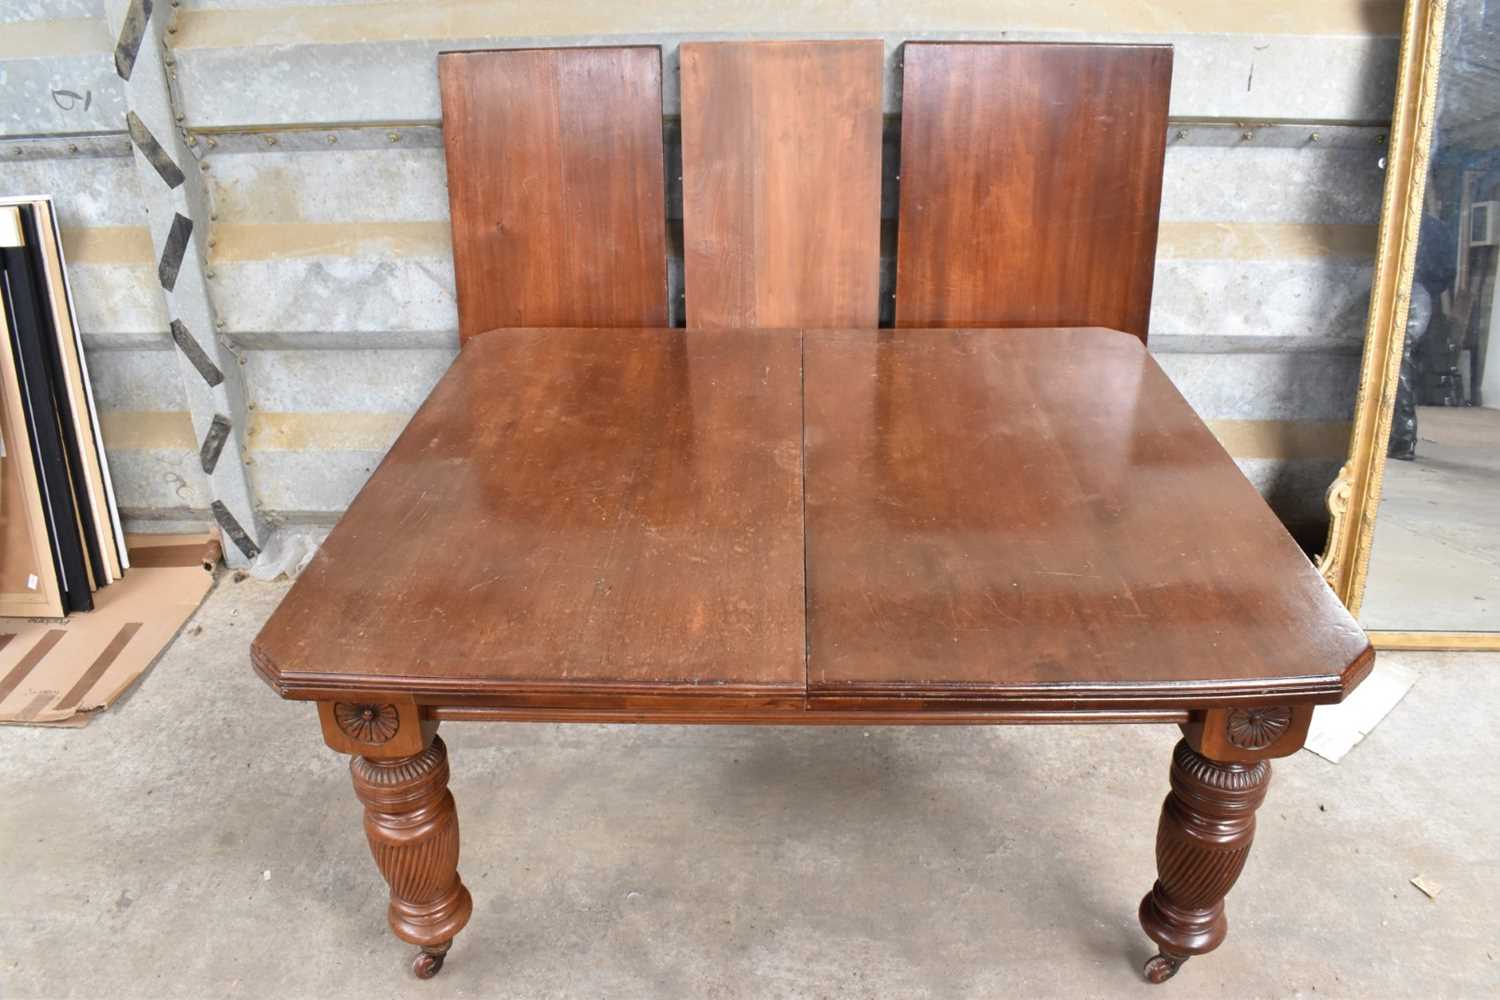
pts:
[1220, 132]
[213, 444]
[1276, 134]
[178, 217]
[132, 31]
[21, 148]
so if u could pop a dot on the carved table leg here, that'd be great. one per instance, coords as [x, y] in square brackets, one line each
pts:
[412, 827]
[1207, 823]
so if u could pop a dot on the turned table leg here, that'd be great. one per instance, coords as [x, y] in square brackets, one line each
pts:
[400, 770]
[1207, 824]
[412, 827]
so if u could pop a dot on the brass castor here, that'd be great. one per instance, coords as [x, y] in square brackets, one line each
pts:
[429, 961]
[1159, 968]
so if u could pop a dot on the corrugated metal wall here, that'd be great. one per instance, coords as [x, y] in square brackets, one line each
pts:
[328, 249]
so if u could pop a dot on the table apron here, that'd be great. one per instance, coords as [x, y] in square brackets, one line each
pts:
[806, 717]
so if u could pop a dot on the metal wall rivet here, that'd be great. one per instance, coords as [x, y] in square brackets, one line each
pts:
[394, 136]
[209, 273]
[1315, 137]
[332, 139]
[1247, 136]
[1182, 133]
[72, 149]
[192, 140]
[219, 323]
[212, 142]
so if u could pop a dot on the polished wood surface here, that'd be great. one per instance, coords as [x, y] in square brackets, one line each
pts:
[781, 183]
[1202, 842]
[608, 524]
[891, 713]
[411, 824]
[1037, 517]
[575, 513]
[1030, 184]
[556, 186]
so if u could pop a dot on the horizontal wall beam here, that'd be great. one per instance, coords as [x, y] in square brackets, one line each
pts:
[374, 62]
[1228, 133]
[442, 20]
[320, 137]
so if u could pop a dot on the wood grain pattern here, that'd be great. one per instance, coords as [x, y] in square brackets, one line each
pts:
[1038, 518]
[1221, 733]
[573, 513]
[610, 523]
[1202, 842]
[412, 826]
[781, 183]
[555, 184]
[1030, 184]
[925, 714]
[398, 731]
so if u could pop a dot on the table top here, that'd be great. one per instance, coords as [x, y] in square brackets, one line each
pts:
[585, 511]
[1038, 515]
[600, 519]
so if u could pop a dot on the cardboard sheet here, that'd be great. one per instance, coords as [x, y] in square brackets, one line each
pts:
[1337, 729]
[59, 671]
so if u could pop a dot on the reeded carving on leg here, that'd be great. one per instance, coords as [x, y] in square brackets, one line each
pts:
[412, 826]
[1207, 824]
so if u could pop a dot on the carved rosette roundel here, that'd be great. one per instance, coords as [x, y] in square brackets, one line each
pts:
[1257, 728]
[373, 724]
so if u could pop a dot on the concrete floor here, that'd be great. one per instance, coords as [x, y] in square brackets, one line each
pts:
[1435, 561]
[199, 841]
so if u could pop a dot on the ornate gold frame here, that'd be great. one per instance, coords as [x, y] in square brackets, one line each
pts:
[1471, 641]
[1355, 495]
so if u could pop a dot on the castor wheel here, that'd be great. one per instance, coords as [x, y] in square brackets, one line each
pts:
[1160, 968]
[429, 961]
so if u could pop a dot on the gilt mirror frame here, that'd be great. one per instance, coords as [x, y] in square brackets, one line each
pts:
[1354, 497]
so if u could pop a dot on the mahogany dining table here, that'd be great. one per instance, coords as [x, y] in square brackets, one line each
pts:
[790, 527]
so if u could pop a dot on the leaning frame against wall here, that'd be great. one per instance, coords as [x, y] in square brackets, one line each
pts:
[1354, 497]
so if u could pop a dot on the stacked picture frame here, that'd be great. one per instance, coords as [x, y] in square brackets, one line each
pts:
[60, 532]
